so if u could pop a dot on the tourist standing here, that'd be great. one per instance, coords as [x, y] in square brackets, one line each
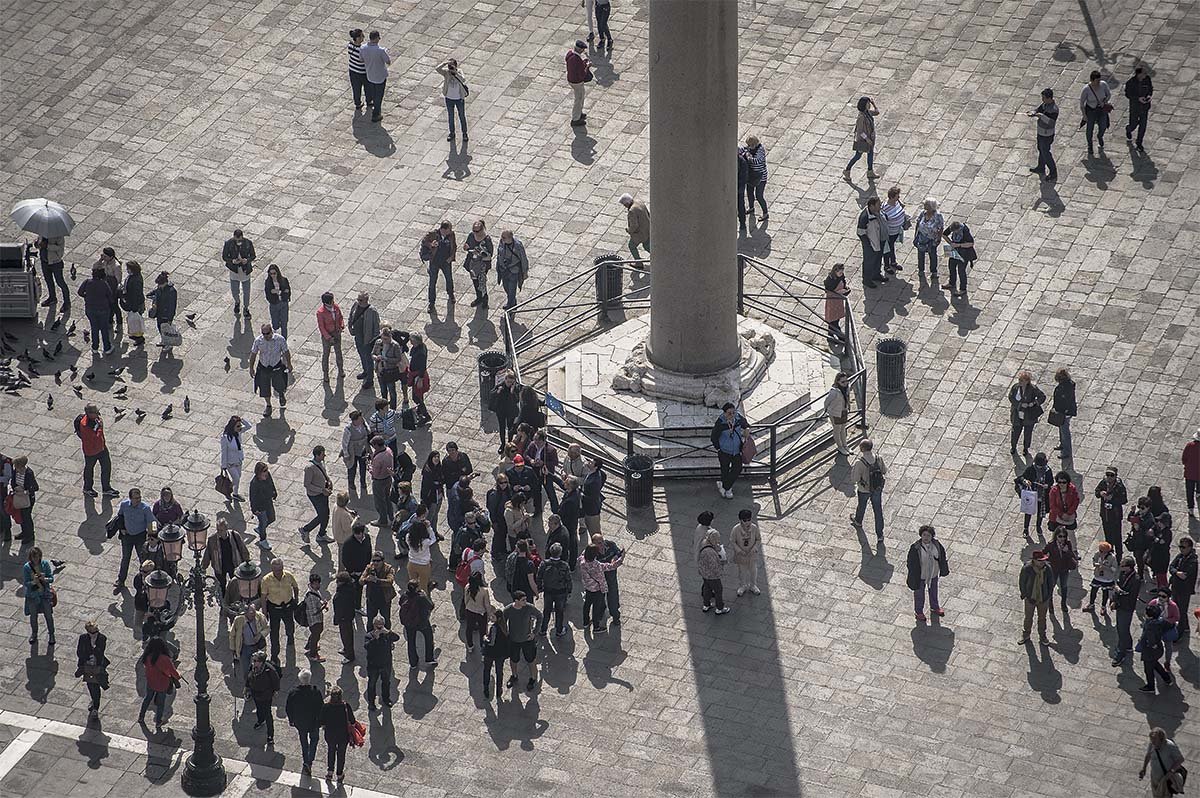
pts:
[280, 593]
[926, 564]
[379, 644]
[433, 486]
[836, 292]
[439, 249]
[1191, 472]
[1025, 402]
[1165, 761]
[756, 181]
[637, 224]
[478, 609]
[455, 91]
[164, 304]
[421, 540]
[868, 476]
[133, 300]
[478, 260]
[1113, 497]
[1063, 500]
[522, 617]
[382, 470]
[505, 403]
[1150, 644]
[593, 495]
[50, 253]
[23, 488]
[330, 324]
[1036, 584]
[99, 299]
[872, 232]
[355, 450]
[1047, 118]
[1095, 103]
[1037, 477]
[224, 551]
[136, 519]
[378, 582]
[270, 363]
[262, 501]
[337, 717]
[246, 636]
[376, 60]
[1126, 594]
[238, 254]
[603, 10]
[365, 327]
[38, 578]
[415, 611]
[495, 648]
[262, 683]
[1063, 560]
[728, 436]
[1138, 90]
[512, 266]
[962, 255]
[304, 705]
[837, 407]
[418, 377]
[897, 222]
[864, 136]
[161, 679]
[554, 578]
[710, 561]
[928, 238]
[232, 454]
[1104, 576]
[579, 72]
[345, 610]
[318, 487]
[747, 548]
[358, 83]
[92, 664]
[1183, 579]
[279, 298]
[391, 361]
[593, 573]
[1062, 409]
[89, 428]
[314, 617]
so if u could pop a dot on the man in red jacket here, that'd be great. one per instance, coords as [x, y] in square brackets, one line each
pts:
[1191, 471]
[90, 430]
[578, 73]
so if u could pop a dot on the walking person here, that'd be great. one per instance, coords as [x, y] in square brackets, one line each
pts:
[455, 91]
[1191, 472]
[554, 578]
[318, 487]
[21, 489]
[330, 323]
[872, 232]
[1171, 616]
[376, 60]
[365, 327]
[356, 449]
[1036, 585]
[729, 434]
[836, 308]
[164, 299]
[478, 260]
[637, 224]
[358, 84]
[579, 73]
[280, 593]
[1166, 765]
[439, 248]
[99, 299]
[315, 603]
[837, 407]
[337, 718]
[345, 610]
[246, 636]
[417, 377]
[756, 181]
[390, 360]
[1126, 593]
[262, 683]
[1183, 571]
[161, 680]
[496, 647]
[1047, 118]
[136, 518]
[928, 238]
[224, 551]
[415, 611]
[1150, 644]
[1113, 497]
[962, 255]
[896, 221]
[1037, 477]
[1095, 104]
[926, 564]
[279, 298]
[232, 454]
[747, 548]
[379, 644]
[303, 710]
[1063, 560]
[262, 501]
[603, 10]
[868, 474]
[1062, 409]
[239, 256]
[478, 608]
[710, 562]
[1138, 90]
[271, 363]
[50, 253]
[512, 267]
[92, 664]
[38, 578]
[522, 618]
[1104, 576]
[133, 301]
[89, 428]
[864, 137]
[1025, 401]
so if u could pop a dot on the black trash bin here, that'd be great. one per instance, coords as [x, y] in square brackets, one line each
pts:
[639, 480]
[491, 364]
[608, 282]
[889, 363]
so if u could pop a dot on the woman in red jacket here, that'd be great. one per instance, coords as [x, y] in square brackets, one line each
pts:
[1064, 501]
[161, 679]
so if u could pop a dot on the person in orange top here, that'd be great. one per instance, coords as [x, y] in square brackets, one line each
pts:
[90, 429]
[330, 324]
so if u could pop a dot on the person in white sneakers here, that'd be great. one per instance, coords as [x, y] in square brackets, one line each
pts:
[232, 453]
[837, 407]
[747, 546]
[710, 562]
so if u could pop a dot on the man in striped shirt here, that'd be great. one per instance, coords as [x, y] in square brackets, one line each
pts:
[270, 362]
[358, 70]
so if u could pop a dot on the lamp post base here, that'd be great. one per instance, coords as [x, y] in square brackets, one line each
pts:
[203, 780]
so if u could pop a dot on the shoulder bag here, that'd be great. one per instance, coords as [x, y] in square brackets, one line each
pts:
[1176, 780]
[223, 484]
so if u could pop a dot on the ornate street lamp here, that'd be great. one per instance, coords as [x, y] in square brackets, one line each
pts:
[203, 772]
[171, 537]
[248, 576]
[158, 584]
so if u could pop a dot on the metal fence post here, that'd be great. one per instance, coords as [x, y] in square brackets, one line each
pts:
[629, 443]
[741, 283]
[773, 430]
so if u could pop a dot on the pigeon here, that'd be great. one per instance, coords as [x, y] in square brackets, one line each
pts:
[74, 372]
[58, 378]
[46, 354]
[121, 391]
[73, 271]
[166, 414]
[118, 412]
[116, 371]
[191, 323]
[71, 328]
[89, 376]
[49, 402]
[58, 348]
[12, 389]
[140, 413]
[190, 316]
[87, 339]
[227, 364]
[78, 391]
[57, 323]
[187, 404]
[118, 379]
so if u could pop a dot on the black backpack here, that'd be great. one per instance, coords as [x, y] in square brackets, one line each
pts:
[300, 611]
[875, 473]
[557, 577]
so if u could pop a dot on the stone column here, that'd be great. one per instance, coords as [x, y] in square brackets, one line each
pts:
[693, 185]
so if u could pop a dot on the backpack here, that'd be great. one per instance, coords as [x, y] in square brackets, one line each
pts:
[300, 611]
[875, 477]
[410, 610]
[462, 574]
[510, 569]
[556, 577]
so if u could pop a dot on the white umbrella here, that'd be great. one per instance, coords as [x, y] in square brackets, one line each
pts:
[42, 216]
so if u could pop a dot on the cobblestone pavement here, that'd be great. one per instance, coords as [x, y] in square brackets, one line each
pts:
[164, 125]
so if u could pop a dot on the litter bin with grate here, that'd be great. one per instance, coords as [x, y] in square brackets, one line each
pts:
[608, 282]
[491, 363]
[639, 480]
[889, 364]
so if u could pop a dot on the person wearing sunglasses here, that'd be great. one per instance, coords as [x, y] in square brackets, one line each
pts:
[1064, 502]
[1063, 560]
[1183, 579]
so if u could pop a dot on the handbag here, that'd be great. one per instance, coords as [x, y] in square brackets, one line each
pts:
[390, 374]
[357, 733]
[115, 524]
[95, 674]
[1067, 520]
[1029, 501]
[20, 499]
[1176, 780]
[170, 334]
[408, 419]
[53, 596]
[749, 450]
[223, 484]
[1056, 418]
[135, 323]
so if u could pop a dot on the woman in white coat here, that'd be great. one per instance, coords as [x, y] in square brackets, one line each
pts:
[232, 454]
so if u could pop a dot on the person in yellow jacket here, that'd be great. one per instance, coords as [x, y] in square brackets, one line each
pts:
[246, 636]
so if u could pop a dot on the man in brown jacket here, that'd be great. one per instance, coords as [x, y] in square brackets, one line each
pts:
[225, 551]
[637, 225]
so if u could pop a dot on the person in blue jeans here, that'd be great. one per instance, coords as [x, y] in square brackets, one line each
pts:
[1063, 405]
[303, 709]
[38, 576]
[455, 91]
[728, 435]
[868, 474]
[138, 518]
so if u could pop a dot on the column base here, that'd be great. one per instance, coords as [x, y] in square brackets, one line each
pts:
[203, 780]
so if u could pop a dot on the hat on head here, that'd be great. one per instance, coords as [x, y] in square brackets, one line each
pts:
[1038, 554]
[580, 44]
[518, 460]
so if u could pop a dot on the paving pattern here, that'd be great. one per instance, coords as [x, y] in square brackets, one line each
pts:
[163, 125]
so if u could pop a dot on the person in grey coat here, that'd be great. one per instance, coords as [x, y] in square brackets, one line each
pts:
[710, 562]
[364, 326]
[512, 266]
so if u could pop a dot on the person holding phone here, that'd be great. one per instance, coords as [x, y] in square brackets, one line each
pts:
[455, 91]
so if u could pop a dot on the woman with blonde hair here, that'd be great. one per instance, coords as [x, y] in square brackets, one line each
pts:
[929, 224]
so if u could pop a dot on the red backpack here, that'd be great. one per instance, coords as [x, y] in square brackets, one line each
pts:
[462, 574]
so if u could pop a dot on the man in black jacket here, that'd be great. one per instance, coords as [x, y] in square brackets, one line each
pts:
[356, 556]
[1125, 600]
[379, 643]
[439, 249]
[238, 254]
[497, 498]
[345, 610]
[1026, 401]
[1138, 89]
[303, 709]
[505, 403]
[569, 511]
[1113, 498]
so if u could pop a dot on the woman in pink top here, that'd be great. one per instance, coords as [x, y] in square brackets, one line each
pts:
[330, 324]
